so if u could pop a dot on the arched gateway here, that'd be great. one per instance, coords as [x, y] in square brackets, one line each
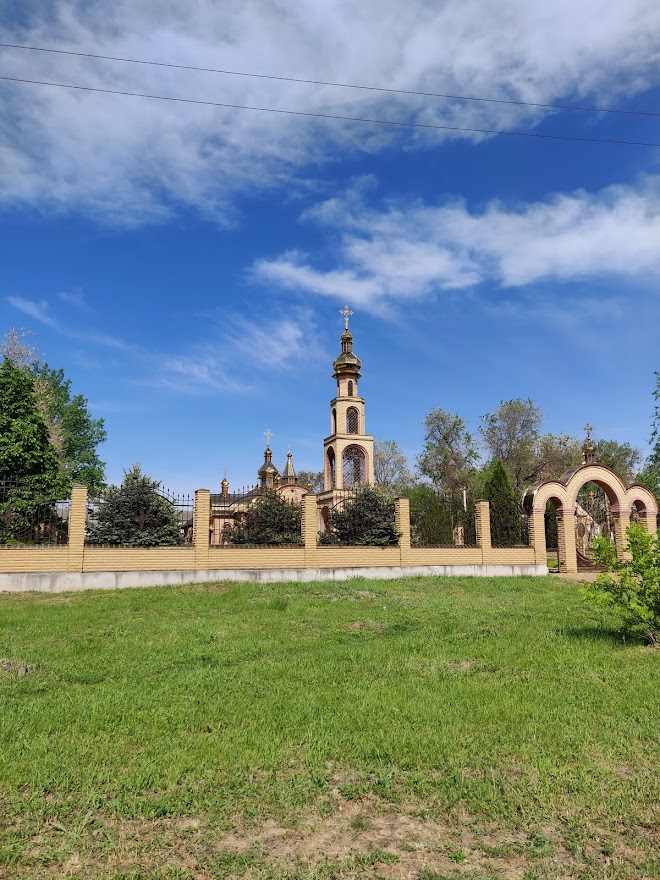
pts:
[563, 494]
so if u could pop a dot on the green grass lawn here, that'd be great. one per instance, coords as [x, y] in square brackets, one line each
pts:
[424, 727]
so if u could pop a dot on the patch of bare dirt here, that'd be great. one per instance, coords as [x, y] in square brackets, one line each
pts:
[361, 839]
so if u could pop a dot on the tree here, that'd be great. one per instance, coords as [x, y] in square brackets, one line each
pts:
[391, 471]
[30, 477]
[650, 476]
[511, 435]
[26, 453]
[449, 457]
[505, 514]
[74, 434]
[135, 514]
[270, 520]
[556, 454]
[623, 458]
[313, 480]
[367, 519]
[630, 586]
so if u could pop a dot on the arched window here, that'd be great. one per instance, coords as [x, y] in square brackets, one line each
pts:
[330, 472]
[352, 421]
[354, 467]
[334, 421]
[350, 388]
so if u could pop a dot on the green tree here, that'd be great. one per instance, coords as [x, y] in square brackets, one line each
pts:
[511, 435]
[630, 587]
[505, 521]
[26, 453]
[73, 432]
[271, 520]
[135, 514]
[623, 458]
[367, 519]
[30, 477]
[449, 457]
[313, 480]
[391, 471]
[650, 476]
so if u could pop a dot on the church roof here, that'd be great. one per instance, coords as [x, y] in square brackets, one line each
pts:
[289, 472]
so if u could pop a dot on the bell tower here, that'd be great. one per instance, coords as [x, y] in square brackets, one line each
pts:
[348, 453]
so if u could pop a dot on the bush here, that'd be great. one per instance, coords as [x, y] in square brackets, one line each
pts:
[271, 520]
[630, 587]
[366, 520]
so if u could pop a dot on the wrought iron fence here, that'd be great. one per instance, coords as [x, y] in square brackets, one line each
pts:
[255, 517]
[441, 520]
[140, 516]
[29, 517]
[358, 516]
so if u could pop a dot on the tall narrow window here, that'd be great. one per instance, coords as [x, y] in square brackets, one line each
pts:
[352, 421]
[350, 388]
[353, 467]
[330, 472]
[334, 421]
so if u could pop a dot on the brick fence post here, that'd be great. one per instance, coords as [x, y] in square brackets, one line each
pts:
[310, 522]
[201, 524]
[402, 518]
[482, 523]
[537, 535]
[77, 523]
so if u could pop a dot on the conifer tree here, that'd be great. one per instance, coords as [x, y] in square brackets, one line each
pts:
[135, 514]
[368, 519]
[505, 522]
[271, 520]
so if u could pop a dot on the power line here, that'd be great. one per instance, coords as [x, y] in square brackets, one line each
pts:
[396, 123]
[339, 85]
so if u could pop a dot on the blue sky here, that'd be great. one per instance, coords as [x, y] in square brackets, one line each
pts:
[185, 264]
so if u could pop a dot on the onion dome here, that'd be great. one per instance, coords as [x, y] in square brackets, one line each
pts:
[347, 363]
[268, 474]
[589, 448]
[224, 487]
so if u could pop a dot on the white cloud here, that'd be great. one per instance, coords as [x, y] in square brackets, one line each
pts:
[129, 160]
[412, 250]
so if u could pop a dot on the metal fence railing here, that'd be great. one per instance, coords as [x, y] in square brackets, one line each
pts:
[440, 520]
[30, 517]
[140, 516]
[255, 517]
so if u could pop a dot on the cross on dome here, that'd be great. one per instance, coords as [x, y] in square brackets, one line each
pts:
[588, 430]
[346, 312]
[268, 434]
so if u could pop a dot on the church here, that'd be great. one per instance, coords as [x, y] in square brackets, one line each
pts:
[348, 453]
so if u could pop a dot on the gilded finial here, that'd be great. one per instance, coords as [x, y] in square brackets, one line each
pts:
[588, 429]
[346, 312]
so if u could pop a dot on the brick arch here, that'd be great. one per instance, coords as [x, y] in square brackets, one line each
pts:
[564, 492]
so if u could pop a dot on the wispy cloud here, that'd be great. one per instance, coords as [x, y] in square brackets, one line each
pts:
[413, 250]
[75, 298]
[41, 311]
[129, 161]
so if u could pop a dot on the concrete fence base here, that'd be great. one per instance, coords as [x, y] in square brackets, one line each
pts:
[62, 582]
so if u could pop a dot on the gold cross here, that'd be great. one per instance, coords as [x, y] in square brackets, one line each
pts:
[345, 312]
[588, 429]
[268, 434]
